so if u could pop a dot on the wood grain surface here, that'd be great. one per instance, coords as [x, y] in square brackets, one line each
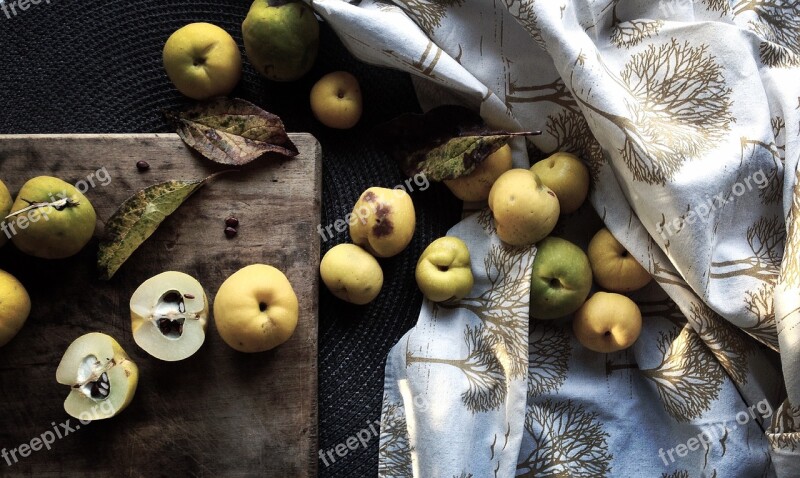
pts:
[219, 413]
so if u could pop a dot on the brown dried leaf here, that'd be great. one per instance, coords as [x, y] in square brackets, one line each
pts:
[231, 131]
[445, 143]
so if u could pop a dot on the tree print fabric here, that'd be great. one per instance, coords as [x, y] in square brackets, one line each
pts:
[688, 116]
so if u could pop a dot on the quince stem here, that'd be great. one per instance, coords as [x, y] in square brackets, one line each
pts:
[59, 205]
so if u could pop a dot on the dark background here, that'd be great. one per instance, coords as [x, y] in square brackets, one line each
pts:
[95, 67]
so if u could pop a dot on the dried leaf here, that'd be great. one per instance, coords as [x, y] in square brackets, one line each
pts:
[455, 158]
[137, 219]
[445, 143]
[231, 131]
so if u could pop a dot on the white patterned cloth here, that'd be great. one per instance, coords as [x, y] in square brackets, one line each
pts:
[688, 114]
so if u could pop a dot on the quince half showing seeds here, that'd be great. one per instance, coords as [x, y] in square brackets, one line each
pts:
[101, 376]
[168, 316]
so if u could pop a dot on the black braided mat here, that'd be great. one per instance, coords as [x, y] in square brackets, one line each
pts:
[95, 67]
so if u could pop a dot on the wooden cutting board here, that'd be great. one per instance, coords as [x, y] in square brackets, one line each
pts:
[218, 413]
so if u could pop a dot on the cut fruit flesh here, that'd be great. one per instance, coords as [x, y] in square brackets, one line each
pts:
[92, 378]
[169, 313]
[102, 378]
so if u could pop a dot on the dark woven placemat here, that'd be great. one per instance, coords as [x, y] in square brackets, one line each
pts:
[95, 66]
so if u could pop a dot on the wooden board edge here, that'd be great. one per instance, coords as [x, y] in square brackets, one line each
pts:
[118, 136]
[89, 136]
[313, 465]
